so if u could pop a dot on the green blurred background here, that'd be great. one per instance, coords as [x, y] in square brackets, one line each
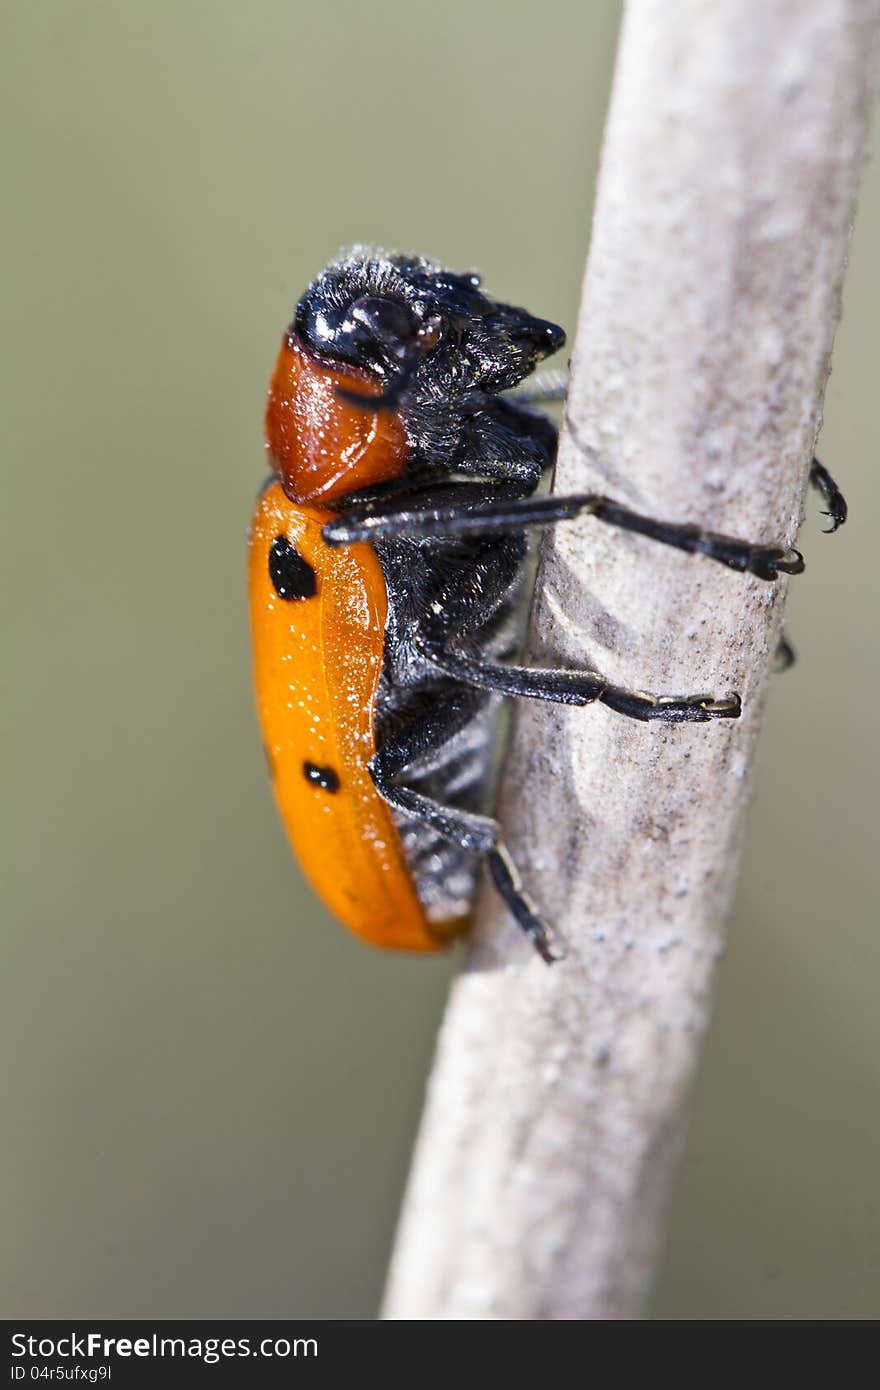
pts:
[209, 1090]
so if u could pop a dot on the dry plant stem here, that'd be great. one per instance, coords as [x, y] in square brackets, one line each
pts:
[557, 1107]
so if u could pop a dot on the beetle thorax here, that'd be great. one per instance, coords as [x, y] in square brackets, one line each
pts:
[322, 445]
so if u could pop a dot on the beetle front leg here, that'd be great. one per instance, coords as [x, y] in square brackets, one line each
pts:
[763, 561]
[488, 517]
[834, 499]
[545, 388]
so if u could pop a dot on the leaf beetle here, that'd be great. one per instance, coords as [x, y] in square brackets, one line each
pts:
[388, 560]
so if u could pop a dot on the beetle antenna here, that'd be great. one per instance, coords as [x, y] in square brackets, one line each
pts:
[428, 336]
[388, 399]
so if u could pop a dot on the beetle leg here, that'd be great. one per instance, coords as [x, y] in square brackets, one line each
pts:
[834, 499]
[579, 688]
[506, 880]
[477, 834]
[543, 388]
[413, 744]
[448, 635]
[785, 656]
[764, 561]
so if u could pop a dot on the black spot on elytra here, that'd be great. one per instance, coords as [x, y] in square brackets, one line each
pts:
[323, 777]
[292, 576]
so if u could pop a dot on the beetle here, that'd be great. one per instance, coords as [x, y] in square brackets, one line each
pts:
[387, 565]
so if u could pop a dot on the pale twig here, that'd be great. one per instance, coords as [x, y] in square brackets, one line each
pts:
[558, 1102]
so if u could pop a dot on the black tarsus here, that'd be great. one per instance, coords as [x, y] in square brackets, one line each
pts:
[834, 499]
[785, 656]
[503, 873]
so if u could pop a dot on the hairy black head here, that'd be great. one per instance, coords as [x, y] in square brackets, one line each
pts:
[424, 331]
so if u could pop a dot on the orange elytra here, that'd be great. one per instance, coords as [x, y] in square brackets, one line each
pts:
[318, 644]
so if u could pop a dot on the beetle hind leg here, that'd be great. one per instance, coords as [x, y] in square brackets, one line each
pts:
[506, 880]
[413, 745]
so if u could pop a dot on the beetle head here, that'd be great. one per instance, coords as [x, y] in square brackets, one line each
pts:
[422, 331]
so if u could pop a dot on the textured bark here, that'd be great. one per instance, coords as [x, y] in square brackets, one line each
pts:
[557, 1107]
